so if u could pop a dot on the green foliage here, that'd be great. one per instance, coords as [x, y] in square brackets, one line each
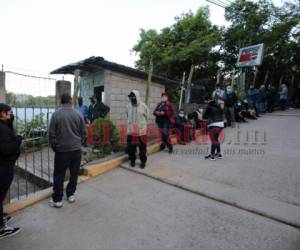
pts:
[17, 100]
[105, 137]
[189, 41]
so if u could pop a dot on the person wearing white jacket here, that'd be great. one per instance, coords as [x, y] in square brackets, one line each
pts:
[137, 117]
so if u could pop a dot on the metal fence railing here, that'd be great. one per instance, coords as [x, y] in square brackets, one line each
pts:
[34, 167]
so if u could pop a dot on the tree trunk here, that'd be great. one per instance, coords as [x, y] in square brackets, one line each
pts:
[148, 88]
[189, 83]
[266, 77]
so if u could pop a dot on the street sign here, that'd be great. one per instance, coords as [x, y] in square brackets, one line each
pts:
[250, 56]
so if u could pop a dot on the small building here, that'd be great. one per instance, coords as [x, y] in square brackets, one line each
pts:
[112, 82]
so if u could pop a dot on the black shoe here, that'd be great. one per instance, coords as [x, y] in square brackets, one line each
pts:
[9, 231]
[132, 164]
[219, 156]
[143, 165]
[210, 157]
[170, 150]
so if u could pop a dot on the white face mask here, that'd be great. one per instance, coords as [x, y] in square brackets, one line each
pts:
[229, 89]
[181, 115]
[164, 99]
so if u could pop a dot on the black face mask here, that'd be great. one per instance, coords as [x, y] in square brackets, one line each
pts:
[93, 101]
[10, 122]
[133, 101]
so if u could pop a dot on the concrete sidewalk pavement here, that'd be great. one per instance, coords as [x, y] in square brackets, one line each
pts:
[122, 210]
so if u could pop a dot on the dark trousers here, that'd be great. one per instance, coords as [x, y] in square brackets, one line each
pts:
[63, 161]
[6, 178]
[283, 104]
[137, 141]
[214, 133]
[165, 135]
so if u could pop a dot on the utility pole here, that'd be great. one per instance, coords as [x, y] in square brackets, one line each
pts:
[181, 90]
[148, 88]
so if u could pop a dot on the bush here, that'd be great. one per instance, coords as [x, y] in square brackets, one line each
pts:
[105, 137]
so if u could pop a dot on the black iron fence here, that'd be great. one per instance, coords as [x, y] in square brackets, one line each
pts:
[34, 167]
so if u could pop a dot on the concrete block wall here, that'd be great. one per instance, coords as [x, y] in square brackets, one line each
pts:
[120, 86]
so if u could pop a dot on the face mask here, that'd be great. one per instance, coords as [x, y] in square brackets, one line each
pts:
[229, 89]
[164, 99]
[133, 101]
[10, 122]
[181, 115]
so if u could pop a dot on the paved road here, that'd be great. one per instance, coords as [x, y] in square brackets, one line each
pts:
[245, 201]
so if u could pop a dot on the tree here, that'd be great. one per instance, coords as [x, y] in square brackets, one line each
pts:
[185, 46]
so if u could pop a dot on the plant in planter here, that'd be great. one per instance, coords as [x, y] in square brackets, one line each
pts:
[105, 137]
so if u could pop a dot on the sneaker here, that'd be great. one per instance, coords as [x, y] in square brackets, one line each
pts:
[7, 219]
[71, 199]
[57, 204]
[210, 157]
[9, 231]
[219, 156]
[143, 165]
[132, 164]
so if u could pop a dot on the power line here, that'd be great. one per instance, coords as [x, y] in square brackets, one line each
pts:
[218, 3]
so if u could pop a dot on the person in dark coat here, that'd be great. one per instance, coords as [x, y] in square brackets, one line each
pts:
[9, 152]
[165, 119]
[97, 109]
[182, 123]
[213, 114]
[271, 98]
[230, 101]
[67, 134]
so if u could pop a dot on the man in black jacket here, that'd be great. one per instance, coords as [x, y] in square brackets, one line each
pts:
[9, 152]
[97, 109]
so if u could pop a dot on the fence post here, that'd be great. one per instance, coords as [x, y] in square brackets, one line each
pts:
[2, 87]
[62, 87]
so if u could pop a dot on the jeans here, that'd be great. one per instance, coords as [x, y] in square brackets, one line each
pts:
[6, 178]
[214, 133]
[165, 136]
[132, 143]
[63, 161]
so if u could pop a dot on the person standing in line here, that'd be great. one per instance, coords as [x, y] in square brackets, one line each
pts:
[67, 134]
[137, 117]
[165, 119]
[218, 93]
[10, 144]
[82, 109]
[253, 94]
[213, 114]
[271, 97]
[230, 101]
[283, 96]
[97, 109]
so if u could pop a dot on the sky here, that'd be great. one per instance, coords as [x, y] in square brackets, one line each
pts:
[38, 36]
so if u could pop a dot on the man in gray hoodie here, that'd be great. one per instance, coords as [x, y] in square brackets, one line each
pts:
[137, 116]
[67, 133]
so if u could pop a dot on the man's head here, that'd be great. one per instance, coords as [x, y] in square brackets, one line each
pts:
[164, 97]
[66, 99]
[132, 98]
[93, 99]
[6, 112]
[218, 86]
[229, 89]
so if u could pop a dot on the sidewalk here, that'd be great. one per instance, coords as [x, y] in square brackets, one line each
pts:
[125, 209]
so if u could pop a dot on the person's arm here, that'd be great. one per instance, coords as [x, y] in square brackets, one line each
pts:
[9, 143]
[52, 132]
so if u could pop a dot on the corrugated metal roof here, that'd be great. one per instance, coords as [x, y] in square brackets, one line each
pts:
[93, 64]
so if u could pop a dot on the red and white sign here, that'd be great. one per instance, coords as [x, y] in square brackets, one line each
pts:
[250, 56]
